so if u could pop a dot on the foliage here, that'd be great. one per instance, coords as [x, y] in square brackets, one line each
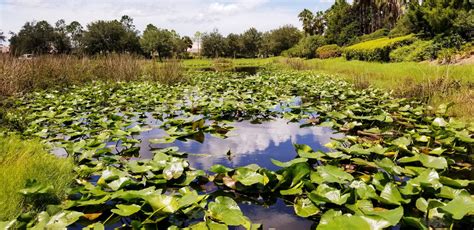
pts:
[164, 43]
[251, 42]
[418, 51]
[376, 50]
[341, 22]
[372, 36]
[41, 38]
[26, 165]
[306, 47]
[278, 40]
[313, 24]
[435, 17]
[328, 51]
[213, 44]
[399, 162]
[104, 37]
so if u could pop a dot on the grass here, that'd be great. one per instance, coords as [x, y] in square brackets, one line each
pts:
[23, 76]
[22, 160]
[437, 84]
[247, 62]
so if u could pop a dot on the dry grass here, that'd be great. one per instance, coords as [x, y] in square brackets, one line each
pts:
[168, 72]
[294, 63]
[22, 76]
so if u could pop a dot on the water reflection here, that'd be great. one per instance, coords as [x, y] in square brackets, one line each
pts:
[248, 143]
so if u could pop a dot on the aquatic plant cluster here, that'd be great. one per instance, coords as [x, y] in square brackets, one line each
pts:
[399, 163]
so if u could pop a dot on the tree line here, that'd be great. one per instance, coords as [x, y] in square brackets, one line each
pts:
[342, 24]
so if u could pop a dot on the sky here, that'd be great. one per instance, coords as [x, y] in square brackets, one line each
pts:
[184, 16]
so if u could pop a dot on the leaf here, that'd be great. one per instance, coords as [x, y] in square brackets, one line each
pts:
[226, 210]
[248, 177]
[330, 174]
[305, 151]
[305, 208]
[392, 216]
[162, 203]
[126, 210]
[289, 163]
[433, 162]
[414, 222]
[455, 182]
[344, 222]
[217, 168]
[328, 194]
[391, 195]
[439, 122]
[173, 170]
[459, 207]
[33, 187]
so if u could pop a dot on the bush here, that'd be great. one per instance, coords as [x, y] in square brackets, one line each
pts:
[306, 48]
[21, 161]
[329, 51]
[376, 50]
[372, 36]
[418, 51]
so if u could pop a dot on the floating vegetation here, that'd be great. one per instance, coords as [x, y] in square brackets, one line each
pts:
[396, 163]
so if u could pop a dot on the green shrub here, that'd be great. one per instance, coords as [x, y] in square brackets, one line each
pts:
[372, 36]
[418, 51]
[329, 51]
[21, 161]
[306, 48]
[376, 50]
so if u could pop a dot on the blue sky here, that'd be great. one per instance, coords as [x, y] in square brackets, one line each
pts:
[185, 16]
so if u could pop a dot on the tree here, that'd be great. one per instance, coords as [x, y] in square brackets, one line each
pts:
[75, 32]
[313, 24]
[34, 37]
[342, 25]
[110, 36]
[197, 39]
[159, 41]
[251, 41]
[279, 40]
[62, 42]
[213, 44]
[234, 45]
[306, 17]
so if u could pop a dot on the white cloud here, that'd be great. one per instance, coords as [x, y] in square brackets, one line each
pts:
[185, 16]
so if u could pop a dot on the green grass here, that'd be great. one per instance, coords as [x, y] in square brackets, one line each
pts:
[22, 160]
[441, 84]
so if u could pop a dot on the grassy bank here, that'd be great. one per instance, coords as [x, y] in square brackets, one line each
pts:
[27, 160]
[436, 84]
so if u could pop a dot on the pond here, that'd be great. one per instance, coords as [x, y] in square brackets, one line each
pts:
[250, 143]
[246, 144]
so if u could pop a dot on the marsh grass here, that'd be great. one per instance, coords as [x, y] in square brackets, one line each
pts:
[167, 72]
[22, 76]
[22, 160]
[434, 84]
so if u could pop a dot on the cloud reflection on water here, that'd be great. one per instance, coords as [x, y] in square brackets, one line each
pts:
[253, 143]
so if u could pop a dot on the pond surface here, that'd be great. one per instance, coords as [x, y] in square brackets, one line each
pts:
[248, 144]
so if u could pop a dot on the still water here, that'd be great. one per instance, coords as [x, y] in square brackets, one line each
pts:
[252, 144]
[248, 144]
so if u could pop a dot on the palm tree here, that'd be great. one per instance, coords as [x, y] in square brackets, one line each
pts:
[307, 17]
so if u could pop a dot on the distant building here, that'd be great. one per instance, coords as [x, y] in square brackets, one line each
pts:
[4, 49]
